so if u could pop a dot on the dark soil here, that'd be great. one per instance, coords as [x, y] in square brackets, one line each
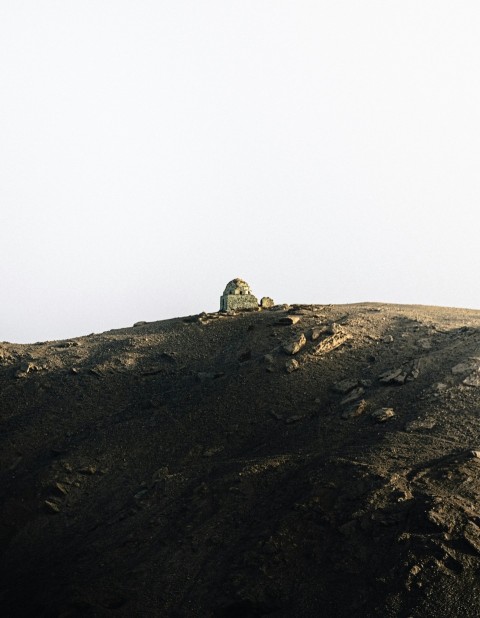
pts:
[179, 469]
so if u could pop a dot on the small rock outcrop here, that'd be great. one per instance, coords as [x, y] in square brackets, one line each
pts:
[266, 302]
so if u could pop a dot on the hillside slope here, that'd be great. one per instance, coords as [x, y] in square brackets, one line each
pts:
[190, 467]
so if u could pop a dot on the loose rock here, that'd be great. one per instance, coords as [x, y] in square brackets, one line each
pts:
[52, 507]
[266, 302]
[292, 365]
[317, 331]
[401, 375]
[331, 343]
[356, 411]
[382, 415]
[293, 347]
[353, 395]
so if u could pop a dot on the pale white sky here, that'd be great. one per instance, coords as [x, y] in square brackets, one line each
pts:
[150, 151]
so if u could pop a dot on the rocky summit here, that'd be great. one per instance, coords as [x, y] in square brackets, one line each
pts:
[292, 461]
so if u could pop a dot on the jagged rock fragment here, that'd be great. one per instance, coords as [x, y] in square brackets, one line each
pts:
[420, 424]
[356, 393]
[52, 507]
[401, 375]
[291, 365]
[391, 376]
[60, 489]
[318, 331]
[293, 347]
[26, 367]
[331, 343]
[382, 415]
[355, 411]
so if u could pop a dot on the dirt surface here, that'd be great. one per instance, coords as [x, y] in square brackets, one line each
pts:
[293, 462]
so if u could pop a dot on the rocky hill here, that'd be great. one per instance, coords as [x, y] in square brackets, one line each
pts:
[292, 462]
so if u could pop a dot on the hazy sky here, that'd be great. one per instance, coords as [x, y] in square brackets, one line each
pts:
[150, 151]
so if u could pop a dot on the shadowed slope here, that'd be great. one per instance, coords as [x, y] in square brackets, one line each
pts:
[188, 468]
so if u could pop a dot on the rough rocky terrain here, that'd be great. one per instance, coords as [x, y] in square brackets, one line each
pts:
[292, 462]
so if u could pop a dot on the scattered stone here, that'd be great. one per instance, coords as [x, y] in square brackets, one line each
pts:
[88, 470]
[52, 507]
[356, 393]
[331, 343]
[269, 359]
[60, 489]
[288, 320]
[74, 370]
[26, 368]
[266, 302]
[278, 417]
[292, 365]
[383, 414]
[414, 372]
[356, 411]
[400, 375]
[388, 339]
[419, 424]
[345, 386]
[141, 323]
[293, 347]
[318, 331]
[475, 454]
[387, 377]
